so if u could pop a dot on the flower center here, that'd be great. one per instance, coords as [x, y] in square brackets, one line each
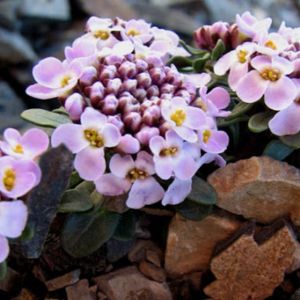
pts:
[270, 44]
[206, 135]
[94, 138]
[9, 179]
[65, 81]
[242, 56]
[168, 151]
[133, 32]
[178, 117]
[271, 74]
[18, 149]
[101, 34]
[136, 173]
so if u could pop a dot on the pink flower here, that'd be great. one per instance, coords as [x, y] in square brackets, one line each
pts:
[18, 177]
[30, 145]
[172, 156]
[268, 79]
[75, 105]
[272, 44]
[214, 102]
[12, 223]
[54, 78]
[251, 27]
[237, 61]
[183, 118]
[136, 176]
[137, 30]
[287, 121]
[88, 141]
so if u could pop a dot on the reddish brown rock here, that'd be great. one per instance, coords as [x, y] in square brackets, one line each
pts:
[11, 281]
[80, 291]
[129, 283]
[251, 267]
[25, 294]
[190, 244]
[63, 281]
[259, 188]
[153, 272]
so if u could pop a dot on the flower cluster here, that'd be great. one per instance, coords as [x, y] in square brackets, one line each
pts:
[266, 66]
[137, 122]
[19, 173]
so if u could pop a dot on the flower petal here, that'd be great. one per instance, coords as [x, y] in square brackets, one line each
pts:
[280, 94]
[225, 62]
[156, 144]
[111, 185]
[217, 142]
[144, 192]
[187, 134]
[219, 97]
[111, 135]
[237, 72]
[90, 163]
[129, 144]
[195, 118]
[12, 136]
[93, 118]
[261, 62]
[145, 162]
[41, 92]
[177, 191]
[120, 165]
[164, 167]
[185, 167]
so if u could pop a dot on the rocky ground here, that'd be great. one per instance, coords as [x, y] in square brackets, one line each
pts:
[170, 257]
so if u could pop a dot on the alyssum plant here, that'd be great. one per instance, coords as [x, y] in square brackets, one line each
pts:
[143, 112]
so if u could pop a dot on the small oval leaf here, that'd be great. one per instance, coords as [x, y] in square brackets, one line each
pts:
[218, 50]
[125, 230]
[44, 118]
[278, 150]
[3, 270]
[180, 61]
[202, 192]
[291, 140]
[199, 63]
[75, 201]
[84, 233]
[193, 211]
[259, 122]
[240, 109]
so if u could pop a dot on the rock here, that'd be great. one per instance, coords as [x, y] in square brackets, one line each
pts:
[107, 8]
[8, 10]
[252, 266]
[139, 251]
[45, 9]
[153, 257]
[11, 281]
[117, 249]
[129, 283]
[11, 107]
[80, 291]
[63, 281]
[14, 48]
[25, 294]
[152, 272]
[260, 187]
[296, 295]
[190, 244]
[296, 260]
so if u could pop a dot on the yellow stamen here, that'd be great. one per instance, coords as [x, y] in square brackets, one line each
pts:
[65, 81]
[133, 32]
[94, 138]
[135, 174]
[206, 135]
[242, 56]
[271, 74]
[18, 149]
[102, 34]
[270, 44]
[9, 179]
[168, 151]
[178, 117]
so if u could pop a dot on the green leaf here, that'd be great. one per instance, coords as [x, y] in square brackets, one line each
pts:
[86, 187]
[84, 233]
[239, 110]
[259, 122]
[3, 270]
[75, 201]
[27, 233]
[225, 122]
[202, 192]
[44, 118]
[75, 179]
[180, 61]
[192, 50]
[291, 140]
[60, 110]
[218, 50]
[125, 230]
[193, 211]
[278, 150]
[199, 63]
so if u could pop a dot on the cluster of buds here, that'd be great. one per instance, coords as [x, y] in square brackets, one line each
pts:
[265, 66]
[156, 123]
[19, 173]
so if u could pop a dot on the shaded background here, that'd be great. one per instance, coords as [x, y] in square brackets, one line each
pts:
[34, 29]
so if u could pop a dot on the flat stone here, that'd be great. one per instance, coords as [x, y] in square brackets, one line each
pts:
[80, 291]
[63, 281]
[45, 9]
[190, 244]
[14, 48]
[252, 266]
[152, 272]
[139, 250]
[260, 187]
[129, 283]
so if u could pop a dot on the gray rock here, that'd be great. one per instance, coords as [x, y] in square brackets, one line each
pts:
[46, 9]
[14, 48]
[8, 12]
